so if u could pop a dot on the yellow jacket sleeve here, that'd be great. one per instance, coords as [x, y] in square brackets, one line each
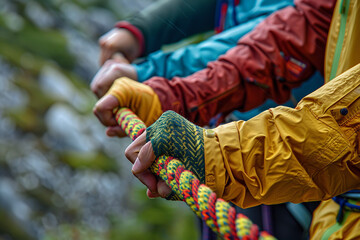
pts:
[309, 153]
[324, 219]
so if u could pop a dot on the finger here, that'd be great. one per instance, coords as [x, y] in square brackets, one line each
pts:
[132, 151]
[152, 194]
[100, 83]
[163, 189]
[105, 54]
[148, 179]
[108, 49]
[145, 158]
[94, 85]
[101, 58]
[115, 131]
[103, 110]
[105, 117]
[99, 90]
[119, 57]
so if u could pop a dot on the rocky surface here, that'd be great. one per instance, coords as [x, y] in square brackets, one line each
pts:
[60, 176]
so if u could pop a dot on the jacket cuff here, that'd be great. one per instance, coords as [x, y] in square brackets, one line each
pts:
[135, 31]
[214, 165]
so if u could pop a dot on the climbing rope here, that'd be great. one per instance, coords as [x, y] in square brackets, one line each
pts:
[217, 213]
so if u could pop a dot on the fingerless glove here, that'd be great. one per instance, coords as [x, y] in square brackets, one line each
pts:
[140, 98]
[173, 135]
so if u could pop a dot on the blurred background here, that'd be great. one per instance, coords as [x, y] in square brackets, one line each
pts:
[60, 176]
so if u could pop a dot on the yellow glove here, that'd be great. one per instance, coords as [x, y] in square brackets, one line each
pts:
[140, 98]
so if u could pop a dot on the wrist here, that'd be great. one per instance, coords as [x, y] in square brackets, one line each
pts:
[137, 35]
[215, 171]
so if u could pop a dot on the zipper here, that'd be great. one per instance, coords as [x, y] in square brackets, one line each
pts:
[344, 10]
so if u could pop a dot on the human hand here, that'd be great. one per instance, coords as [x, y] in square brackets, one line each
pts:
[118, 40]
[140, 149]
[171, 135]
[108, 73]
[124, 92]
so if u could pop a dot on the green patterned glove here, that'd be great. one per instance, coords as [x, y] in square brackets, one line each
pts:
[173, 135]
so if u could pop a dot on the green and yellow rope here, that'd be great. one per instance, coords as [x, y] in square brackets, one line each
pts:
[217, 213]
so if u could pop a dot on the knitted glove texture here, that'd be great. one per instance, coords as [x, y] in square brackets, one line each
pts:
[173, 135]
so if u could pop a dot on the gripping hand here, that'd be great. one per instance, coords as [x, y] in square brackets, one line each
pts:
[140, 98]
[173, 135]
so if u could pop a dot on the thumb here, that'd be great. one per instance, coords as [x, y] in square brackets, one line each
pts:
[145, 158]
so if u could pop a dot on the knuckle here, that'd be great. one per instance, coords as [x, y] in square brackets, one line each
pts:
[169, 118]
[97, 109]
[94, 87]
[102, 42]
[115, 65]
[108, 62]
[128, 152]
[170, 115]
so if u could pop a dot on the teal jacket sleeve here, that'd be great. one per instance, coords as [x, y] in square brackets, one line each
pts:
[192, 58]
[240, 19]
[283, 51]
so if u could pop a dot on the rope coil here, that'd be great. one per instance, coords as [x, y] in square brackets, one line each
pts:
[217, 213]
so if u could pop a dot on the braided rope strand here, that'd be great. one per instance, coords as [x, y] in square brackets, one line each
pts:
[217, 213]
[130, 123]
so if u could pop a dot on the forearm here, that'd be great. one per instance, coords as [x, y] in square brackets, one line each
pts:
[277, 56]
[309, 153]
[194, 57]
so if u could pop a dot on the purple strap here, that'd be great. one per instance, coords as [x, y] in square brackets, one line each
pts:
[267, 219]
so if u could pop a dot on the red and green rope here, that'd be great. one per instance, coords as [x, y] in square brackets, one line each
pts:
[217, 213]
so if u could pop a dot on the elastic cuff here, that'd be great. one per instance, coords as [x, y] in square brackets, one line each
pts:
[135, 31]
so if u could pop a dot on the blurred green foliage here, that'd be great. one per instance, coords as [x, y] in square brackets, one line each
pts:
[60, 176]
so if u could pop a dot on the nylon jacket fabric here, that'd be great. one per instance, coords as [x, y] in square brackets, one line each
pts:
[282, 52]
[325, 217]
[317, 165]
[168, 21]
[343, 38]
[192, 58]
[348, 44]
[309, 153]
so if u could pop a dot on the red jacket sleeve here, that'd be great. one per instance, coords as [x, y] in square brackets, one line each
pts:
[278, 55]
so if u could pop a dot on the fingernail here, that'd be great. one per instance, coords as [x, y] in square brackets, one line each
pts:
[136, 167]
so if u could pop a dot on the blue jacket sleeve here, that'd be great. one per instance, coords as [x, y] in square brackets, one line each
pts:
[192, 58]
[187, 60]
